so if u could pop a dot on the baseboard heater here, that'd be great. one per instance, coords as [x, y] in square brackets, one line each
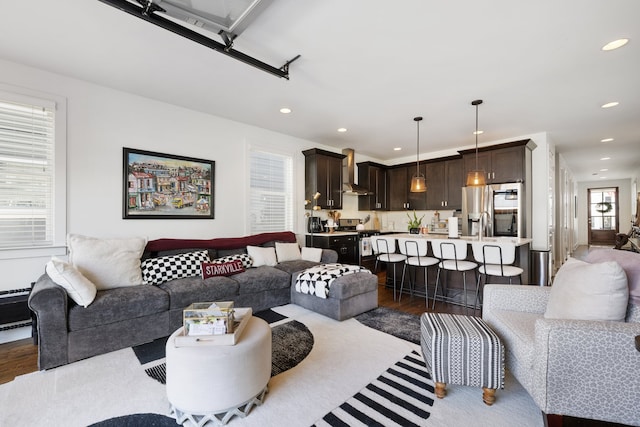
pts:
[14, 310]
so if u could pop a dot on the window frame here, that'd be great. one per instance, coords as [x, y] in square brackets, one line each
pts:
[59, 211]
[291, 205]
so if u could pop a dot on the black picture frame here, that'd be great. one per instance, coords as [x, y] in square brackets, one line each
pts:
[167, 186]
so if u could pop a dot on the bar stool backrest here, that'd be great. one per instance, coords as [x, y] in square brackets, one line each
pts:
[383, 245]
[413, 247]
[449, 249]
[498, 253]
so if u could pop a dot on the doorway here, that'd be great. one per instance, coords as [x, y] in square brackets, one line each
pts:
[603, 220]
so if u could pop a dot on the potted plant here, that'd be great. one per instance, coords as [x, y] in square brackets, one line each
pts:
[415, 222]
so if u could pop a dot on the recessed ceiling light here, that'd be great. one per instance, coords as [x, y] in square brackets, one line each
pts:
[478, 132]
[610, 104]
[605, 158]
[606, 140]
[397, 149]
[603, 177]
[603, 170]
[342, 129]
[615, 44]
[285, 110]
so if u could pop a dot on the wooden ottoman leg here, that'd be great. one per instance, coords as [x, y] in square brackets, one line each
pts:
[488, 395]
[441, 390]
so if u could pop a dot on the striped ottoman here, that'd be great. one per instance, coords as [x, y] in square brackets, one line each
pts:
[462, 350]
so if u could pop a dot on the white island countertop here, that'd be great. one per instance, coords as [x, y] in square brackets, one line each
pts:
[518, 241]
[336, 233]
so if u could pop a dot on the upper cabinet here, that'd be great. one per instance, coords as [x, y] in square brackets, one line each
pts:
[400, 198]
[444, 184]
[374, 177]
[323, 174]
[501, 163]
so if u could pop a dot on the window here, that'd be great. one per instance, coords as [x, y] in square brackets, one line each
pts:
[32, 214]
[271, 192]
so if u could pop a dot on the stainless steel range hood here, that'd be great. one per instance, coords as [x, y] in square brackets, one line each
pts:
[348, 172]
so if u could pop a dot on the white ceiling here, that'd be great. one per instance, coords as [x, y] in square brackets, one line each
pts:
[537, 66]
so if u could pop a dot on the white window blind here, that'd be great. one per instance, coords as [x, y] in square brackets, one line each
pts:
[26, 173]
[271, 182]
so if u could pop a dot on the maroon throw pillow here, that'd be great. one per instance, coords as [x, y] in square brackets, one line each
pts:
[210, 269]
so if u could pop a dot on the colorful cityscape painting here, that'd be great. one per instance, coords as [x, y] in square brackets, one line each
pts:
[166, 186]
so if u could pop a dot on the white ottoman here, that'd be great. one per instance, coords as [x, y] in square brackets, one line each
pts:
[209, 384]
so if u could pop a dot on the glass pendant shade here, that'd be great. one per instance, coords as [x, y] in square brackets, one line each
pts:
[418, 184]
[475, 178]
[418, 181]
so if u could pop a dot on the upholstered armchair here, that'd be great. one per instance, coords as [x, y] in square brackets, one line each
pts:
[581, 368]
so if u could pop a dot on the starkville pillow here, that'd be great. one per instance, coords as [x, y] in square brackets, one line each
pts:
[212, 269]
[262, 256]
[584, 291]
[107, 263]
[162, 269]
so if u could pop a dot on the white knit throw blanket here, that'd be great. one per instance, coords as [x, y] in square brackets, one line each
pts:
[317, 280]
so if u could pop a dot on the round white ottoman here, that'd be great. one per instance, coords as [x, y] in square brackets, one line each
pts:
[212, 383]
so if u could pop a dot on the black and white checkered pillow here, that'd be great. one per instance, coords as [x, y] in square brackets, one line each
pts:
[247, 261]
[162, 269]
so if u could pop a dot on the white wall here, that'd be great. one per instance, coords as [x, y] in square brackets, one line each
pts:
[624, 195]
[102, 121]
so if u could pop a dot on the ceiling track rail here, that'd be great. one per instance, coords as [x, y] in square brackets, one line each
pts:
[147, 12]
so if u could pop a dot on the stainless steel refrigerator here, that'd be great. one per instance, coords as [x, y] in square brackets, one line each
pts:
[498, 208]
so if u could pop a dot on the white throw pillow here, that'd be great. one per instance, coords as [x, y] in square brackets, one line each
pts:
[312, 254]
[586, 291]
[262, 256]
[287, 251]
[79, 288]
[108, 263]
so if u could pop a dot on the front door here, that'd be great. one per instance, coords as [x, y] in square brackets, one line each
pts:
[603, 216]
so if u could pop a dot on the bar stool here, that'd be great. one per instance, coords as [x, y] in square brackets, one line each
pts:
[497, 260]
[416, 252]
[385, 247]
[452, 254]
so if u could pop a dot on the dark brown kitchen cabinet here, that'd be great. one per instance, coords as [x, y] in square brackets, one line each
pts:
[373, 176]
[345, 245]
[400, 198]
[444, 184]
[501, 163]
[323, 174]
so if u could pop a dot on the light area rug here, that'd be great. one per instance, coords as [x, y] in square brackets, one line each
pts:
[345, 358]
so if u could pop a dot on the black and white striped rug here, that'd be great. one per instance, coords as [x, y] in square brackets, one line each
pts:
[401, 396]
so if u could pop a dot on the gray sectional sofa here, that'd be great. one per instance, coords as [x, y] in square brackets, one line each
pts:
[132, 315]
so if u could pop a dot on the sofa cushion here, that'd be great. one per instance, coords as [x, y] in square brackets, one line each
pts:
[262, 256]
[107, 263]
[287, 251]
[586, 291]
[517, 331]
[79, 288]
[246, 260]
[313, 254]
[260, 279]
[295, 266]
[162, 269]
[629, 261]
[120, 304]
[183, 292]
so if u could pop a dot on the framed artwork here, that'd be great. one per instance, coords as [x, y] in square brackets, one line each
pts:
[166, 186]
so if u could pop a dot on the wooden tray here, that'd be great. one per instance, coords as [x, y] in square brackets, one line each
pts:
[242, 316]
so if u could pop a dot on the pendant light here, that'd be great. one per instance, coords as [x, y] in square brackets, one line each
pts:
[475, 178]
[418, 181]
